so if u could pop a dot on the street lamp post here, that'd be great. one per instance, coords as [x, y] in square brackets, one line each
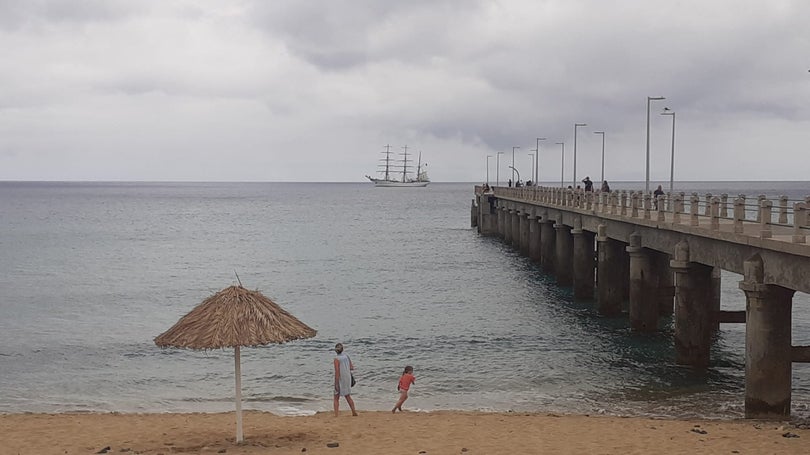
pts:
[498, 169]
[647, 178]
[602, 133]
[532, 168]
[562, 164]
[667, 111]
[537, 160]
[576, 125]
[488, 157]
[513, 166]
[515, 170]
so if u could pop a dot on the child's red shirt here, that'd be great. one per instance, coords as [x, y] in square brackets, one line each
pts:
[405, 381]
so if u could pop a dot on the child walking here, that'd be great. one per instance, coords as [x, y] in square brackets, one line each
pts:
[405, 382]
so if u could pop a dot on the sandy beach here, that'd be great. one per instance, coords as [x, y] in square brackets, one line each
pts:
[385, 433]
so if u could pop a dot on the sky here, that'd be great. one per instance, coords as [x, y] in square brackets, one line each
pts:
[313, 91]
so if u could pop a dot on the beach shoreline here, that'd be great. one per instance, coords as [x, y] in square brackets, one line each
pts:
[375, 432]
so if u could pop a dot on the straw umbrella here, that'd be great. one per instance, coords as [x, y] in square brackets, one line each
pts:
[234, 317]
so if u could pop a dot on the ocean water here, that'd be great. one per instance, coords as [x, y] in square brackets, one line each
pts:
[90, 273]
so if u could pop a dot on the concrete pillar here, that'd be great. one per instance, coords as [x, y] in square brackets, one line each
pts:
[643, 298]
[563, 268]
[487, 215]
[664, 282]
[474, 212]
[515, 229]
[611, 283]
[717, 291]
[548, 245]
[501, 219]
[534, 238]
[768, 341]
[507, 233]
[583, 261]
[693, 313]
[524, 233]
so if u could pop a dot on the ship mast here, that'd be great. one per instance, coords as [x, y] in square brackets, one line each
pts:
[405, 164]
[387, 159]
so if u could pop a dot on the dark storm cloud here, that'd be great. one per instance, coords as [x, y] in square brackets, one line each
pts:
[340, 35]
[16, 14]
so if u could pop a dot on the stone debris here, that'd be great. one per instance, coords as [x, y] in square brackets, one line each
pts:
[104, 450]
[788, 434]
[332, 444]
[698, 431]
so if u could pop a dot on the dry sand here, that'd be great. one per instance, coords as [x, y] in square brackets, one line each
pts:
[385, 433]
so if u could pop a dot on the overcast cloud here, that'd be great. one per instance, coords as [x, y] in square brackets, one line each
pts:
[312, 90]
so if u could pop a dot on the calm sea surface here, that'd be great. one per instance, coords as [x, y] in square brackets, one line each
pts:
[90, 273]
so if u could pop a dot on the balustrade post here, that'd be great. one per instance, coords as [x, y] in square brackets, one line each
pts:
[715, 213]
[765, 219]
[647, 206]
[739, 214]
[707, 211]
[724, 205]
[783, 208]
[613, 199]
[661, 217]
[694, 206]
[669, 201]
[634, 204]
[623, 201]
[677, 208]
[760, 198]
[799, 220]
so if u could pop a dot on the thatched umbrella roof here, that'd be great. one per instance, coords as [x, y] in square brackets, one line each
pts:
[234, 317]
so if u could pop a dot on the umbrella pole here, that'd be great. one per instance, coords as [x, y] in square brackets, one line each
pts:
[238, 367]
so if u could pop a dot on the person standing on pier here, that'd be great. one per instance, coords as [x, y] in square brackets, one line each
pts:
[588, 183]
[605, 186]
[658, 192]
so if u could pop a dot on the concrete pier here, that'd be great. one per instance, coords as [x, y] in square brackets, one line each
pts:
[664, 261]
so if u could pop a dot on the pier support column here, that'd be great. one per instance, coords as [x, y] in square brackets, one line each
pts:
[612, 277]
[515, 229]
[643, 295]
[767, 344]
[583, 266]
[507, 228]
[501, 219]
[665, 286]
[563, 268]
[524, 232]
[715, 302]
[693, 310]
[548, 245]
[534, 238]
[487, 215]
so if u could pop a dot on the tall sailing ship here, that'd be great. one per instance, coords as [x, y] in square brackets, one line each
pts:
[396, 173]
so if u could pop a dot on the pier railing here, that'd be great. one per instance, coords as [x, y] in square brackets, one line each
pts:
[757, 216]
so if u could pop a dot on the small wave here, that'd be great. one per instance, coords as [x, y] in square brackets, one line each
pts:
[283, 399]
